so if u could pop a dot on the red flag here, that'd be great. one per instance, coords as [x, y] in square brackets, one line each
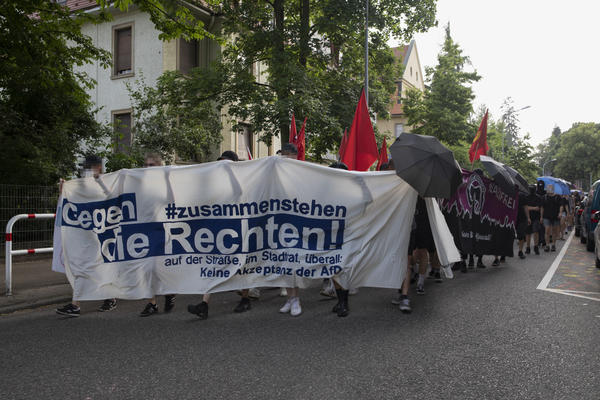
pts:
[343, 145]
[383, 158]
[300, 141]
[361, 150]
[249, 154]
[479, 146]
[293, 134]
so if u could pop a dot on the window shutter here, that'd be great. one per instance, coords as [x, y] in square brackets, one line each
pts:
[123, 61]
[188, 55]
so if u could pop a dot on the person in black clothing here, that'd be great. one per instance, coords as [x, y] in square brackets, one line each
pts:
[522, 222]
[534, 218]
[551, 215]
[541, 191]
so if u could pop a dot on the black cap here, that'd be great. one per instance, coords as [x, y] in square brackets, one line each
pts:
[229, 155]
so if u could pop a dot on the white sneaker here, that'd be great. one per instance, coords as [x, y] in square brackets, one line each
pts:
[448, 271]
[296, 309]
[396, 300]
[283, 292]
[254, 293]
[286, 307]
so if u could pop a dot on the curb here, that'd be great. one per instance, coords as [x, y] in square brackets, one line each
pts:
[35, 298]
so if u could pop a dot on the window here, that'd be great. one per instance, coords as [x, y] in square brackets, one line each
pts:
[188, 55]
[399, 97]
[244, 142]
[399, 128]
[410, 71]
[122, 126]
[123, 51]
[417, 76]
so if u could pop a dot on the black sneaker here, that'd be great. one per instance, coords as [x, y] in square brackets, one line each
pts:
[521, 255]
[528, 250]
[503, 259]
[169, 302]
[438, 277]
[201, 310]
[70, 310]
[431, 274]
[547, 249]
[108, 305]
[536, 250]
[553, 248]
[149, 310]
[243, 305]
[495, 263]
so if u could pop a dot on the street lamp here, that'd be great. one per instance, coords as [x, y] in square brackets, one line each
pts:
[544, 166]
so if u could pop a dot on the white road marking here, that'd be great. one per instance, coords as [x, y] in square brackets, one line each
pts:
[552, 270]
[546, 280]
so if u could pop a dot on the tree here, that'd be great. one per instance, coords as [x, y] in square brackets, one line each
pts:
[310, 56]
[443, 109]
[45, 115]
[577, 153]
[171, 119]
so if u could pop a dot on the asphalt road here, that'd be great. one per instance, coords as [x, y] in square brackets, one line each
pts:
[487, 334]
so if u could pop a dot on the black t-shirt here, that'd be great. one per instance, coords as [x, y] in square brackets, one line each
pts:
[521, 215]
[534, 201]
[551, 206]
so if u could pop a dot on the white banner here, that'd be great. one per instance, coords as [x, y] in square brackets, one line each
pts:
[222, 226]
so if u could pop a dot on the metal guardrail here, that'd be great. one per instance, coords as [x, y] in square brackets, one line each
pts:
[9, 242]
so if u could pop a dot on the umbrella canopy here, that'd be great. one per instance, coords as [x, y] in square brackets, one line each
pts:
[559, 187]
[426, 164]
[498, 173]
[518, 178]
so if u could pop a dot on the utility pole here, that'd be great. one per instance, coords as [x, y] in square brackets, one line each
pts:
[367, 52]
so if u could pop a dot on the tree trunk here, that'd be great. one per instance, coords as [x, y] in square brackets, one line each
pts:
[304, 31]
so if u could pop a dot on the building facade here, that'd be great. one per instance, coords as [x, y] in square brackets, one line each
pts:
[137, 52]
[412, 78]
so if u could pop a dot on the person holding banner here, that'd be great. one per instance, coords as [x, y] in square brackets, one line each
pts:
[424, 245]
[292, 304]
[155, 160]
[92, 169]
[201, 309]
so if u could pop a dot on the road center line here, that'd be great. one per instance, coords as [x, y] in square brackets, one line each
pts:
[546, 280]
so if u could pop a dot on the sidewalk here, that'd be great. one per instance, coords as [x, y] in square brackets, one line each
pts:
[34, 285]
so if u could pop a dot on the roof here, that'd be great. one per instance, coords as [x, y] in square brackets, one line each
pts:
[403, 52]
[75, 5]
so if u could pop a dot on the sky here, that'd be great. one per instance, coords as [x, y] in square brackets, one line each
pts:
[542, 53]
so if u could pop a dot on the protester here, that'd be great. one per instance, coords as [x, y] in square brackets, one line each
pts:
[534, 218]
[551, 211]
[424, 245]
[292, 304]
[541, 192]
[522, 221]
[155, 160]
[92, 169]
[201, 309]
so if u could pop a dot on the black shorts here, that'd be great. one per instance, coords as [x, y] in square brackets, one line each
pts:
[521, 230]
[533, 228]
[424, 240]
[412, 244]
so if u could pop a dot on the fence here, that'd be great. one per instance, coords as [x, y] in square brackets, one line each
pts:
[23, 199]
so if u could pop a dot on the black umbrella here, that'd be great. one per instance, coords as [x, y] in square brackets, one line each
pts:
[518, 178]
[426, 164]
[498, 173]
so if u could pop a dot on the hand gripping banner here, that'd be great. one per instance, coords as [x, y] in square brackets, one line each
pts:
[223, 226]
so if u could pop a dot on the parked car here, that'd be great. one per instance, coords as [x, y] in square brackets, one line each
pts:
[589, 221]
[597, 241]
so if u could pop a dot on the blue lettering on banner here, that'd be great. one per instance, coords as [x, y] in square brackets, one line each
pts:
[219, 236]
[100, 216]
